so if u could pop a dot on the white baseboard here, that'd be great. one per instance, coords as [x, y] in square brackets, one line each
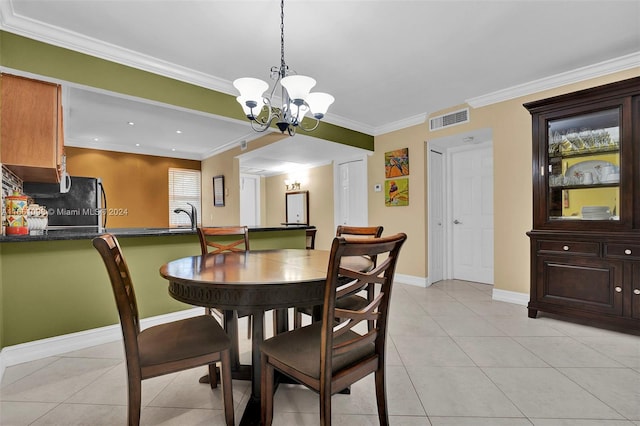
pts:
[38, 349]
[510, 296]
[412, 280]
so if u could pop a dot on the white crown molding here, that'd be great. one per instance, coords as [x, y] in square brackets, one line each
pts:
[401, 124]
[61, 37]
[574, 76]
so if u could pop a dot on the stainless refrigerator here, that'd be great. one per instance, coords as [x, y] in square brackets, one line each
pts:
[84, 206]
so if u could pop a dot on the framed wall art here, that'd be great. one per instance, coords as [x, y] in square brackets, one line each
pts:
[396, 163]
[218, 191]
[396, 192]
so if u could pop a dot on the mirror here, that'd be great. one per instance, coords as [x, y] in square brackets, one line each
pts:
[297, 206]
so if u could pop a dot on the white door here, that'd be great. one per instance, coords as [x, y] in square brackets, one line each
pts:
[472, 214]
[249, 200]
[436, 217]
[351, 200]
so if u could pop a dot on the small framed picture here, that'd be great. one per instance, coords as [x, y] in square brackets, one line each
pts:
[218, 191]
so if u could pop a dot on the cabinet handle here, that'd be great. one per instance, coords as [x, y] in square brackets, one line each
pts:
[636, 291]
[565, 248]
[627, 251]
[618, 289]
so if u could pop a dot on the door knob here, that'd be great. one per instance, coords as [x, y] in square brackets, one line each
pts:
[457, 222]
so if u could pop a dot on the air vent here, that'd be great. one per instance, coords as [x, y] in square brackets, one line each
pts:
[451, 119]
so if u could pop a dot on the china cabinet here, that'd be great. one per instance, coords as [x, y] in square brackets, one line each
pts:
[585, 241]
[31, 128]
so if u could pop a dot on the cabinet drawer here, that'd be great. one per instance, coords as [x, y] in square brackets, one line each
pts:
[569, 247]
[622, 251]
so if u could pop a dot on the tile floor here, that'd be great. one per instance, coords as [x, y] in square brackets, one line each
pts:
[455, 357]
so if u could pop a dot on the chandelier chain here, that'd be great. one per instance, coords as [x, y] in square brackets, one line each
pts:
[282, 64]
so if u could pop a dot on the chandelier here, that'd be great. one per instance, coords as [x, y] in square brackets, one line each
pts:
[296, 98]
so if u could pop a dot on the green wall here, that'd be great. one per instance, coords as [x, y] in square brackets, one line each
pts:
[32, 56]
[51, 288]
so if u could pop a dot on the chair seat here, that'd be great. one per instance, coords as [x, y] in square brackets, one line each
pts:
[352, 303]
[180, 340]
[300, 349]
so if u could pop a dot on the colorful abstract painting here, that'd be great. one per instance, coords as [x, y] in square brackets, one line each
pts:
[396, 163]
[396, 192]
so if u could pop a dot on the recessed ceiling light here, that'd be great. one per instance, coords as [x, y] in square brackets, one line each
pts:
[131, 123]
[95, 139]
[173, 149]
[178, 131]
[137, 144]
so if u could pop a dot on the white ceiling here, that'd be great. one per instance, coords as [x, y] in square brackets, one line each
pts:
[388, 63]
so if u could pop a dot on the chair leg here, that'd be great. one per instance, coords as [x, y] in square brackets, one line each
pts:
[135, 397]
[227, 387]
[266, 391]
[297, 318]
[213, 376]
[325, 406]
[381, 397]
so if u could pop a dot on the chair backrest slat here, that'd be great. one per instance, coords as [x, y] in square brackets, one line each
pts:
[209, 243]
[122, 286]
[337, 322]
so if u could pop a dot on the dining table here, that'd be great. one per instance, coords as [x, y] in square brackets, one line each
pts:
[254, 281]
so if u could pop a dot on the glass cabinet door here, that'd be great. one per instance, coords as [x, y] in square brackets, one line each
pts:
[584, 167]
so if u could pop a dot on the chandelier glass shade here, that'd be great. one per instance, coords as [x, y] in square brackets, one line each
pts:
[297, 100]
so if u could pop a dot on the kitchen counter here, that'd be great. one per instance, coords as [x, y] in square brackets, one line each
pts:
[56, 284]
[88, 234]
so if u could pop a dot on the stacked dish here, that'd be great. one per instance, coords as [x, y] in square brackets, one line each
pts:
[596, 213]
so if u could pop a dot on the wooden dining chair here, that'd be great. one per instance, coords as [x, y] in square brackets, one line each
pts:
[353, 301]
[222, 239]
[330, 355]
[311, 238]
[165, 348]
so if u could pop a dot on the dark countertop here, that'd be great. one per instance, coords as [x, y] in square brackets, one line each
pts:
[88, 234]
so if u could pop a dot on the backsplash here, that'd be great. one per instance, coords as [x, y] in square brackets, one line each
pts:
[10, 183]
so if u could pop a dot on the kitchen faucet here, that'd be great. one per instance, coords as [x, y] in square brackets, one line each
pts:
[193, 215]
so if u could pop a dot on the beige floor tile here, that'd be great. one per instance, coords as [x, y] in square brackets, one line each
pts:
[467, 326]
[19, 371]
[423, 325]
[547, 393]
[111, 388]
[521, 325]
[580, 422]
[624, 348]
[23, 413]
[58, 381]
[617, 387]
[431, 352]
[566, 352]
[459, 391]
[479, 421]
[113, 350]
[161, 416]
[498, 352]
[84, 414]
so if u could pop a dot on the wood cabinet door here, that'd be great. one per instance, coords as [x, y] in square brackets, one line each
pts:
[635, 291]
[586, 284]
[31, 129]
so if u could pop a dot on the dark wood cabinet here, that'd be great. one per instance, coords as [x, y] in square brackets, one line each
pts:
[585, 241]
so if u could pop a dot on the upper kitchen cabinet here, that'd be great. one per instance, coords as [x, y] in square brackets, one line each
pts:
[31, 130]
[585, 241]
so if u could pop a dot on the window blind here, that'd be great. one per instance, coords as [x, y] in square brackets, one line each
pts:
[184, 188]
